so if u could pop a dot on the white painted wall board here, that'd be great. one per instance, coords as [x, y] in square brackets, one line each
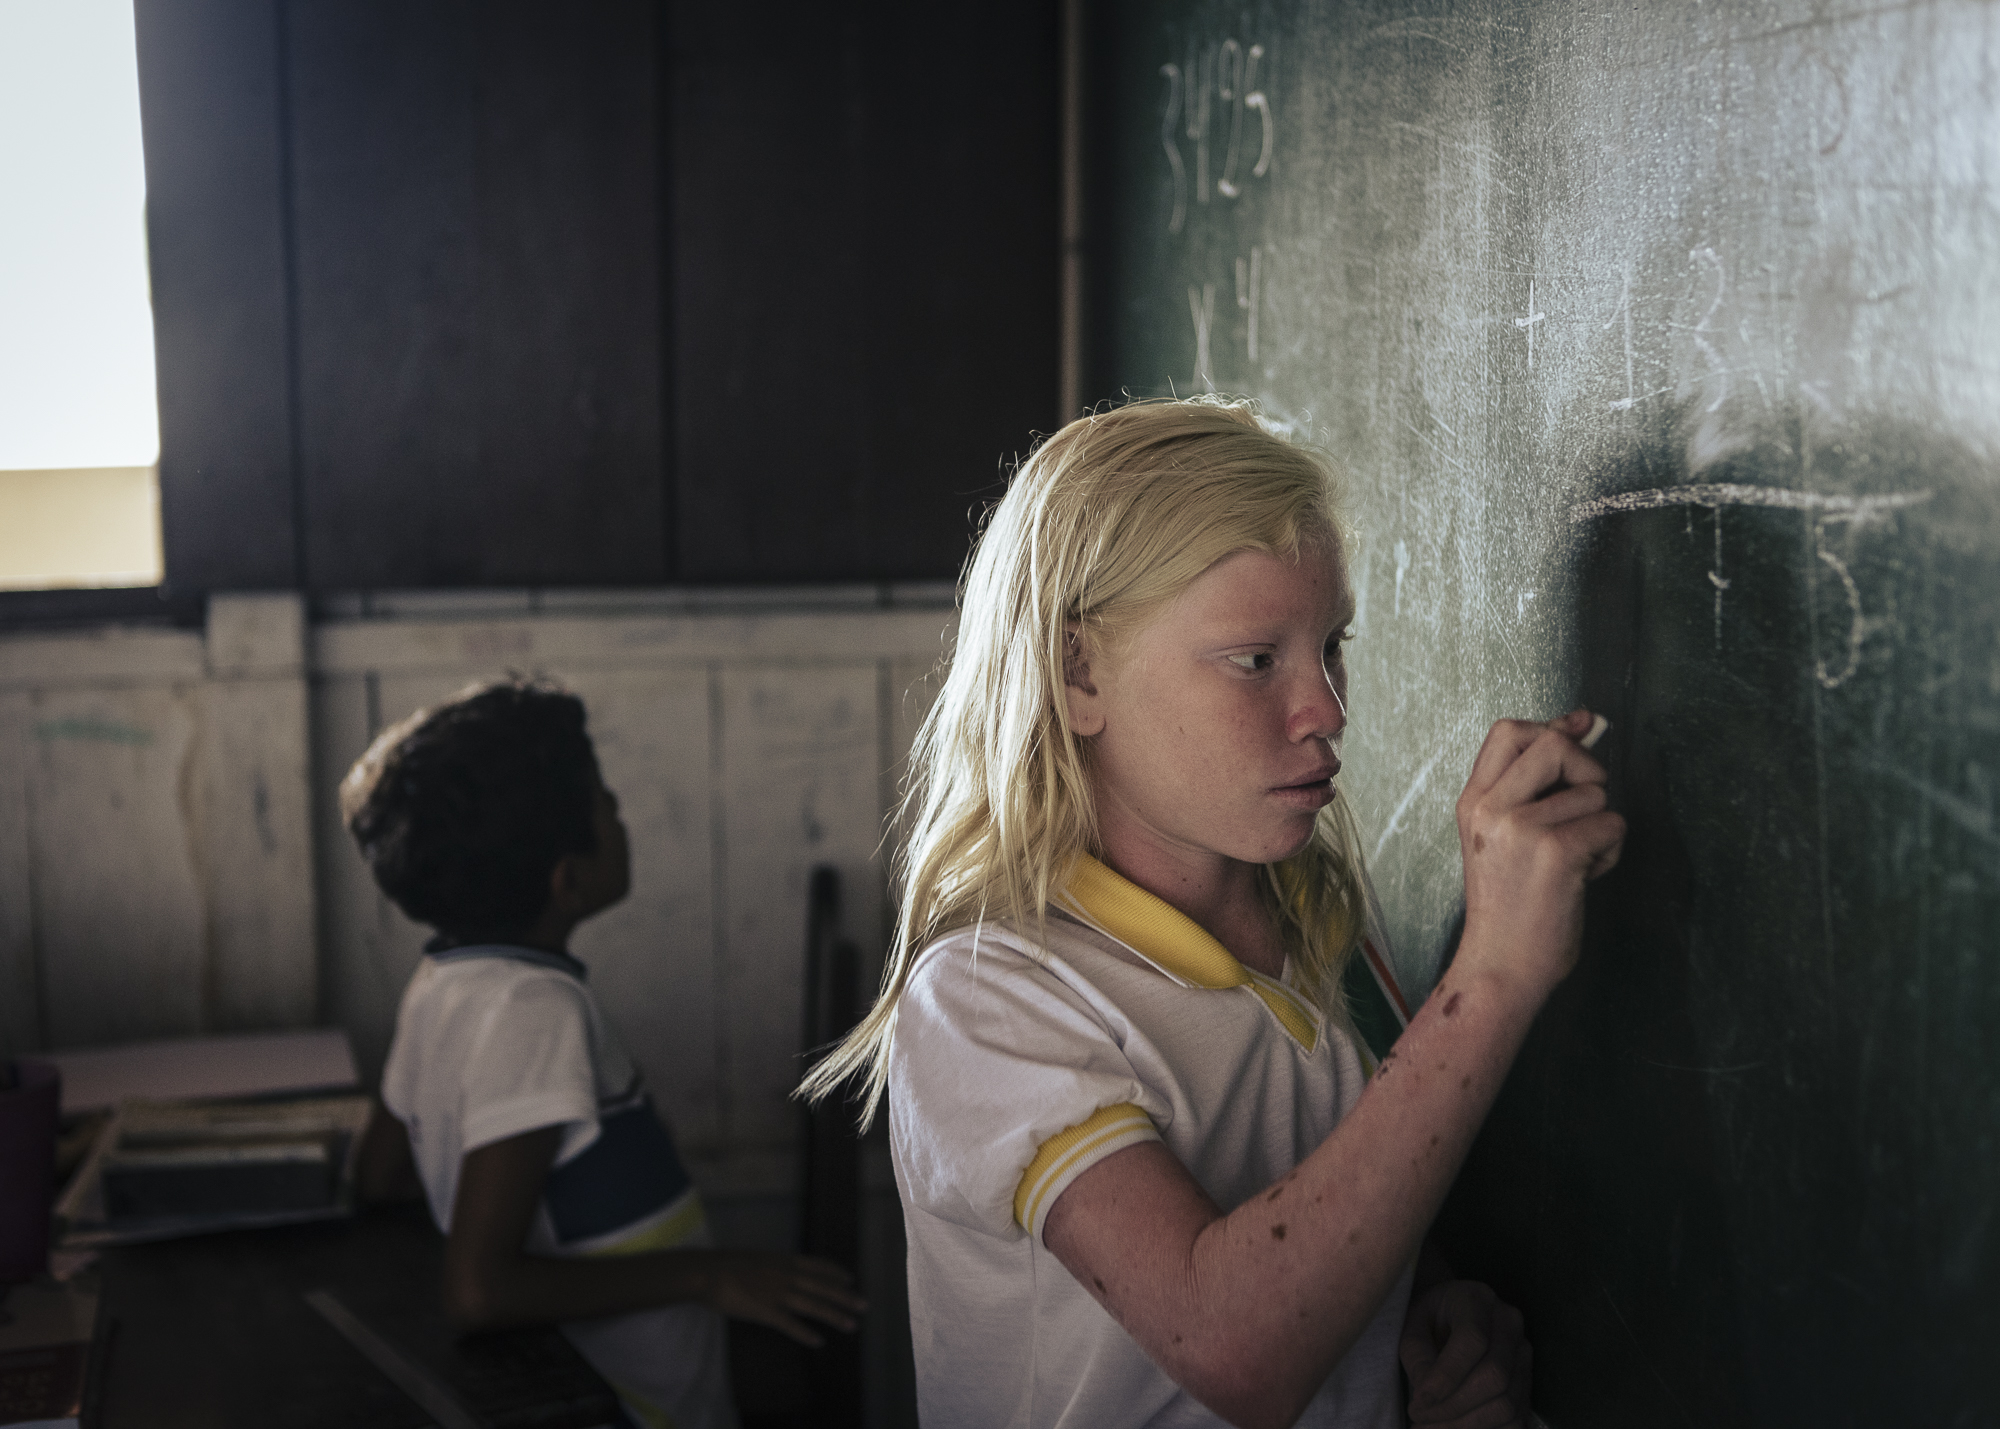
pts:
[20, 1002]
[392, 944]
[164, 893]
[256, 839]
[479, 647]
[120, 918]
[256, 633]
[359, 989]
[652, 958]
[912, 689]
[800, 786]
[449, 604]
[110, 655]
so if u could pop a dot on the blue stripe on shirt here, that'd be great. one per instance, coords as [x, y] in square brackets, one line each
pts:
[629, 1172]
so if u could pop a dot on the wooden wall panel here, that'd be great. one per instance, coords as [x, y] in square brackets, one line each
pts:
[571, 464]
[256, 831]
[20, 997]
[166, 831]
[800, 763]
[477, 645]
[392, 943]
[913, 689]
[909, 688]
[359, 986]
[211, 103]
[120, 920]
[255, 818]
[384, 143]
[519, 293]
[155, 844]
[653, 958]
[864, 281]
[478, 308]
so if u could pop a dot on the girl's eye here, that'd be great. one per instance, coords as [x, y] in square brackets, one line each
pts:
[1259, 660]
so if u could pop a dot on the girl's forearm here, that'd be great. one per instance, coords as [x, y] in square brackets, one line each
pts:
[1267, 1299]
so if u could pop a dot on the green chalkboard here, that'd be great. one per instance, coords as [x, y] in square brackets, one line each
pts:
[1661, 345]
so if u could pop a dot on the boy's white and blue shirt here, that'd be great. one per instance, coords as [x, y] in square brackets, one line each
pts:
[495, 1040]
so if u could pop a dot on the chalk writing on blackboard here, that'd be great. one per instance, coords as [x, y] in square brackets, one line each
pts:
[1857, 624]
[1630, 398]
[1395, 824]
[1248, 281]
[1716, 577]
[1226, 74]
[1856, 509]
[1840, 89]
[1199, 78]
[1707, 255]
[1202, 306]
[1229, 89]
[1828, 510]
[1238, 88]
[1529, 322]
[1168, 124]
[1261, 102]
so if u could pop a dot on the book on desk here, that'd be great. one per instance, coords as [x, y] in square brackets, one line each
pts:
[237, 1282]
[162, 1169]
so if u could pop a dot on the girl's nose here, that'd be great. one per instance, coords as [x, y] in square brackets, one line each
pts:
[1321, 710]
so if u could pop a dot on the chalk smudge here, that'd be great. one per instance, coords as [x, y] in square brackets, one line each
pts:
[1409, 797]
[93, 731]
[1857, 509]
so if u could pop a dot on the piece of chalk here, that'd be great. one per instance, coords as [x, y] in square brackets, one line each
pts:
[1598, 724]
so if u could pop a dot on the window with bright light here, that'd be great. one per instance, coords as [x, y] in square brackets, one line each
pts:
[79, 418]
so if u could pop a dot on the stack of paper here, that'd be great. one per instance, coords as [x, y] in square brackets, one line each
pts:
[162, 1169]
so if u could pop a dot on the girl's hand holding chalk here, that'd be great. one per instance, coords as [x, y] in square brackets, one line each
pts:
[1586, 727]
[1533, 830]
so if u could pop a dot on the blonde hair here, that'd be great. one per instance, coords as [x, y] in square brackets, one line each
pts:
[1108, 521]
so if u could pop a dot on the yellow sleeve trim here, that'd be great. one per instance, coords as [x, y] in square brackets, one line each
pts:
[1062, 1151]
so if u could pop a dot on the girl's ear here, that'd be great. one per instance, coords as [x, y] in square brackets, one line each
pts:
[1086, 708]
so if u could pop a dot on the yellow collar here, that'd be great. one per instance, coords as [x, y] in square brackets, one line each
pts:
[1177, 945]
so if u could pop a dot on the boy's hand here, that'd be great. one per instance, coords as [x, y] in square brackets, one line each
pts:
[1468, 1363]
[784, 1291]
[1533, 829]
[384, 1168]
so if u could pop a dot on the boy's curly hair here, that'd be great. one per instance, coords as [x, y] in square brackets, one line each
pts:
[462, 810]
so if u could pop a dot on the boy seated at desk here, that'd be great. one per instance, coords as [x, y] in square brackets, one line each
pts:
[508, 1093]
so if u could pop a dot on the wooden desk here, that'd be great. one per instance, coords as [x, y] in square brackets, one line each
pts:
[216, 1331]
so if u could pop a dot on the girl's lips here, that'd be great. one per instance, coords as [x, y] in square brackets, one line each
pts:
[1314, 794]
[1314, 780]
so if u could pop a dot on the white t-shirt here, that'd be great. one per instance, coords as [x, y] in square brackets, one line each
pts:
[494, 1041]
[1017, 1065]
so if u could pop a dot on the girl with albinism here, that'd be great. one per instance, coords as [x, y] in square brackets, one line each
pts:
[1151, 1175]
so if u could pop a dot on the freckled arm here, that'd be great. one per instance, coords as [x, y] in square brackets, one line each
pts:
[1250, 1311]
